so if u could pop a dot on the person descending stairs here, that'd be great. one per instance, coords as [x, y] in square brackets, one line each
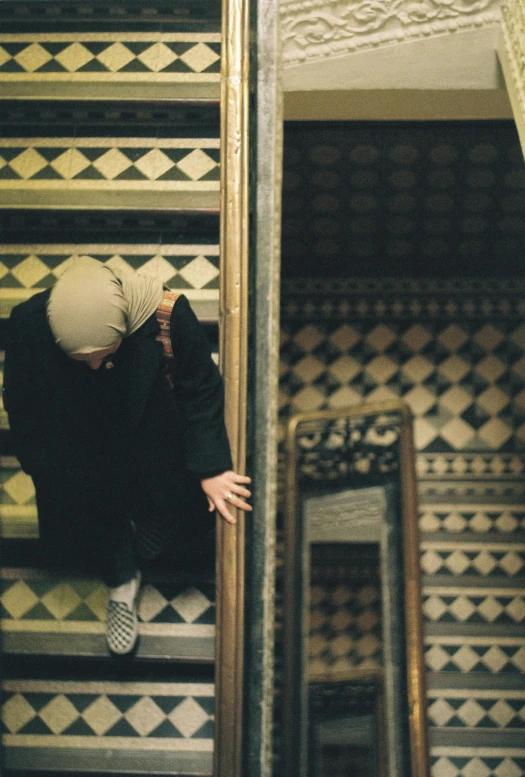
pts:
[110, 147]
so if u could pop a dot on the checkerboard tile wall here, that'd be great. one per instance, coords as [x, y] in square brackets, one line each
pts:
[464, 382]
[18, 515]
[453, 351]
[345, 628]
[450, 708]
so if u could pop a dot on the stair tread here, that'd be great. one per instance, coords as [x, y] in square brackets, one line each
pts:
[204, 200]
[166, 726]
[50, 614]
[189, 92]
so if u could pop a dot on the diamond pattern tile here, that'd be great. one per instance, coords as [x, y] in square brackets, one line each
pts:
[497, 562]
[447, 709]
[345, 627]
[101, 710]
[479, 607]
[181, 267]
[172, 56]
[77, 159]
[454, 378]
[503, 521]
[465, 765]
[36, 599]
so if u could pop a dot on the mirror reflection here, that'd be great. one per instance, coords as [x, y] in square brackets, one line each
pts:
[353, 692]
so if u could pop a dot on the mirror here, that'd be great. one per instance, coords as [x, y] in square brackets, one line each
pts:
[353, 694]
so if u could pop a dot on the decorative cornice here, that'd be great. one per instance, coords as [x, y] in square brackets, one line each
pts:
[315, 29]
[512, 57]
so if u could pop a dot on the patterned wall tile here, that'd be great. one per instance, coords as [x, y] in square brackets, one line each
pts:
[165, 715]
[489, 655]
[463, 382]
[189, 268]
[18, 515]
[475, 519]
[32, 601]
[449, 708]
[441, 466]
[500, 606]
[479, 560]
[462, 762]
[345, 628]
[124, 57]
[125, 163]
[369, 198]
[413, 201]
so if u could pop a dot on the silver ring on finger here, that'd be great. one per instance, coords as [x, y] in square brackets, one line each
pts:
[229, 496]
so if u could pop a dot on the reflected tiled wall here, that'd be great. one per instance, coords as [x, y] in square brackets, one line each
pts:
[402, 249]
[463, 378]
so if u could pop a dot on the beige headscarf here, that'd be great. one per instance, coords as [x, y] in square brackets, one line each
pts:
[91, 305]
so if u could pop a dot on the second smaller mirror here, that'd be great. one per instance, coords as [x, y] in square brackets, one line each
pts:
[353, 686]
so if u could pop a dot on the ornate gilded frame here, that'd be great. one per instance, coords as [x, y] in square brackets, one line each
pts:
[415, 679]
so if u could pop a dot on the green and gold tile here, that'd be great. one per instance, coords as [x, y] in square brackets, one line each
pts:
[468, 654]
[192, 269]
[42, 613]
[61, 723]
[34, 64]
[486, 709]
[483, 761]
[496, 606]
[18, 514]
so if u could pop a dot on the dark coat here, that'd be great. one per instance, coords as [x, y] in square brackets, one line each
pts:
[104, 446]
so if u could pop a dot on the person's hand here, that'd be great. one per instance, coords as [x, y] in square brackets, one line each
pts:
[226, 489]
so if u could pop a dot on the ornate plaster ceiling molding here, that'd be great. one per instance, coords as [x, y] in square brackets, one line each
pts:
[317, 29]
[512, 57]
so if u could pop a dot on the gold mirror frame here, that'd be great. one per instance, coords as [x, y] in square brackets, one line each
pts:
[293, 682]
[233, 332]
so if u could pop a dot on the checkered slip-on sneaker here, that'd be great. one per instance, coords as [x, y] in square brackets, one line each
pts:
[150, 539]
[122, 623]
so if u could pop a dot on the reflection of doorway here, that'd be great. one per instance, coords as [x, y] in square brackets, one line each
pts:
[346, 729]
[353, 588]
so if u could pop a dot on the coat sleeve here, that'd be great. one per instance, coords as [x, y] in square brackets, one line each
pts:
[198, 386]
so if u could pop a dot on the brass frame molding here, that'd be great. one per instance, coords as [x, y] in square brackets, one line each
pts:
[234, 354]
[316, 29]
[293, 684]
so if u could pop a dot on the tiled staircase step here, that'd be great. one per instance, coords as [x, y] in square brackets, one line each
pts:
[190, 92]
[191, 116]
[192, 269]
[95, 725]
[132, 173]
[134, 57]
[44, 614]
[204, 200]
[185, 15]
[40, 225]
